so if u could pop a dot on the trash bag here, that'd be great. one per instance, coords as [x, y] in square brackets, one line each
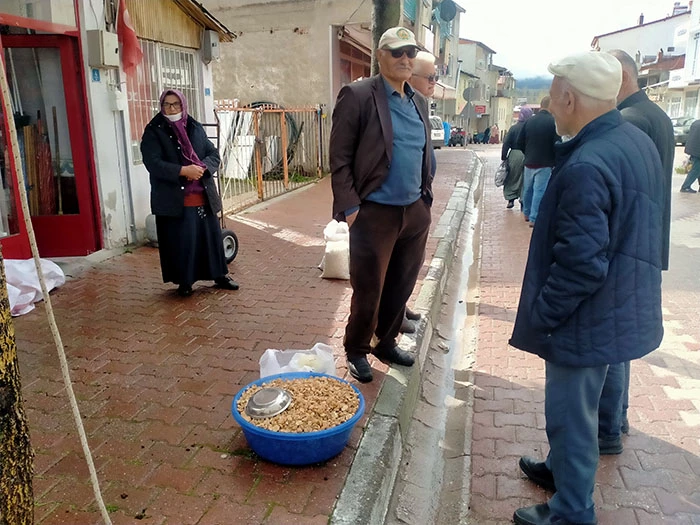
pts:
[336, 259]
[317, 359]
[501, 173]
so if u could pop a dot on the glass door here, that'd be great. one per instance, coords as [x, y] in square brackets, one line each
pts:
[50, 115]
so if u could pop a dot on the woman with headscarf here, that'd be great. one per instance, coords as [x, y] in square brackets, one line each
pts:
[513, 186]
[181, 162]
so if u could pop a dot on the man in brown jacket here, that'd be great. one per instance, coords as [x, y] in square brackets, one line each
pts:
[380, 163]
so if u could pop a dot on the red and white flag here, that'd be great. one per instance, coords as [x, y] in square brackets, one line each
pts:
[128, 41]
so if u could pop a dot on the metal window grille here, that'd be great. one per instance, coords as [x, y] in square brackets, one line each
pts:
[162, 67]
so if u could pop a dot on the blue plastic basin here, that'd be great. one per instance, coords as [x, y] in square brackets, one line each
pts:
[297, 448]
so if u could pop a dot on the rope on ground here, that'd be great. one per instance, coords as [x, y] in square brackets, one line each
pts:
[47, 300]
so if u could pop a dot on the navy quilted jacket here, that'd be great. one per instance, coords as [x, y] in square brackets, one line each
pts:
[591, 293]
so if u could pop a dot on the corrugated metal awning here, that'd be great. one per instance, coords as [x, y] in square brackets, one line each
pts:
[199, 13]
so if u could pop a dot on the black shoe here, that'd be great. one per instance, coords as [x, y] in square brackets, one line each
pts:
[359, 369]
[394, 355]
[610, 447]
[184, 290]
[410, 314]
[538, 515]
[511, 203]
[226, 283]
[537, 472]
[688, 190]
[407, 327]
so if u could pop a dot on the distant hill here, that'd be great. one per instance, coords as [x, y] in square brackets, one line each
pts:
[532, 89]
[533, 83]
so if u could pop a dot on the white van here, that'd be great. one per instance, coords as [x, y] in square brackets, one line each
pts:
[437, 132]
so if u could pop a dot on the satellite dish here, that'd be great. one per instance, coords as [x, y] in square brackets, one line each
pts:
[448, 10]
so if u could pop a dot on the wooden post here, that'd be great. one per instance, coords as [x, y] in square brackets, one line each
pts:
[285, 141]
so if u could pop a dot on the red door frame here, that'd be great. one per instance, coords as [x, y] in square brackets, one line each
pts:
[88, 223]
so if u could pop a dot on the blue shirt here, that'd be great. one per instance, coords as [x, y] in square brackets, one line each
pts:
[402, 185]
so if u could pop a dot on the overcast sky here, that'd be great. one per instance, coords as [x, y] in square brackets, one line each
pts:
[528, 34]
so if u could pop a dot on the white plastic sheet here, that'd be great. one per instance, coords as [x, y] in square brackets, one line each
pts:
[317, 359]
[23, 288]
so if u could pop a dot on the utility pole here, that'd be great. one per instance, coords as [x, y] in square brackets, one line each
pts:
[16, 455]
[386, 14]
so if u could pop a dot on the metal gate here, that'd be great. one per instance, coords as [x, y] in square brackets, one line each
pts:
[267, 150]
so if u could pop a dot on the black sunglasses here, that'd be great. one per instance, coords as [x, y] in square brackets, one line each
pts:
[410, 51]
[429, 78]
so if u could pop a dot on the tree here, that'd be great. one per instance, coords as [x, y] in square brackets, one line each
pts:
[16, 455]
[386, 14]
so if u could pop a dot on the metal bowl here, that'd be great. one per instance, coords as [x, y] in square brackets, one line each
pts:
[268, 402]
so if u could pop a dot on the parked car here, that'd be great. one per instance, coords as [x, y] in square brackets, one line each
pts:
[437, 132]
[457, 137]
[681, 128]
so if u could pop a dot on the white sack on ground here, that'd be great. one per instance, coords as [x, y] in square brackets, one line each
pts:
[336, 259]
[23, 288]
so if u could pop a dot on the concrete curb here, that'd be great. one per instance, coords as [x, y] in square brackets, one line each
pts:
[368, 488]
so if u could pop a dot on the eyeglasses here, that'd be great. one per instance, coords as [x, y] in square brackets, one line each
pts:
[430, 78]
[410, 52]
[174, 105]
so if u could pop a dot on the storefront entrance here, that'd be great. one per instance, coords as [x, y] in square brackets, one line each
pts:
[47, 99]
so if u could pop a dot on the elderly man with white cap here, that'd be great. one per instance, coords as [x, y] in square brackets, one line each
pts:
[380, 156]
[591, 293]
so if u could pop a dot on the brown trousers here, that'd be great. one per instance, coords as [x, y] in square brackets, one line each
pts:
[387, 249]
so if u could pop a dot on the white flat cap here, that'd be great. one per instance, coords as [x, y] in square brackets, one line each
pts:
[397, 37]
[594, 73]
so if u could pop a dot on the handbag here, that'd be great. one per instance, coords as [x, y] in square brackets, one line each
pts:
[501, 173]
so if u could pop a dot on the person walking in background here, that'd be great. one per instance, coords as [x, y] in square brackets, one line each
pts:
[381, 178]
[637, 109]
[486, 136]
[536, 141]
[494, 139]
[513, 185]
[591, 294]
[692, 148]
[181, 162]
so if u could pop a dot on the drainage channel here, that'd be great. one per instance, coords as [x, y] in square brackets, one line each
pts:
[432, 486]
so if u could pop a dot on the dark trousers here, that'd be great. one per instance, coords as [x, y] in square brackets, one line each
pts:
[387, 249]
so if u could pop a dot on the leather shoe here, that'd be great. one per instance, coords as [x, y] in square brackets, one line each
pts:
[411, 315]
[610, 447]
[537, 472]
[359, 369]
[394, 355]
[511, 203]
[407, 327]
[184, 290]
[538, 515]
[688, 190]
[226, 283]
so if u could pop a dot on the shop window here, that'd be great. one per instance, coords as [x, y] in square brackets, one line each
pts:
[162, 67]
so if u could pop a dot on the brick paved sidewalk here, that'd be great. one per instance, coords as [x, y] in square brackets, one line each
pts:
[155, 374]
[657, 477]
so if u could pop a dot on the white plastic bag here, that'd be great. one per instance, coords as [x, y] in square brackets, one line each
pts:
[336, 259]
[501, 173]
[317, 359]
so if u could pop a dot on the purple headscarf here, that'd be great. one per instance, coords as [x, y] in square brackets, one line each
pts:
[180, 128]
[525, 113]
